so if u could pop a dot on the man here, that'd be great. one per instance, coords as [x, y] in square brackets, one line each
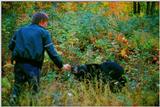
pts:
[28, 45]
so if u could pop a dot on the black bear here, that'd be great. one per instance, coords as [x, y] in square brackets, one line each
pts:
[108, 71]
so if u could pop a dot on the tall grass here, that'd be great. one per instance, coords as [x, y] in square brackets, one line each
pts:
[85, 93]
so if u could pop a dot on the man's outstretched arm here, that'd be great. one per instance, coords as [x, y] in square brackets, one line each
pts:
[54, 55]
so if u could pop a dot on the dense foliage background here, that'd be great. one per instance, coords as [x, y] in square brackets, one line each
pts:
[90, 32]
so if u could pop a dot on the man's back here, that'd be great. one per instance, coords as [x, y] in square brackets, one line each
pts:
[29, 43]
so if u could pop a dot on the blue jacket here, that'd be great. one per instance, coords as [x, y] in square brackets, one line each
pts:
[29, 43]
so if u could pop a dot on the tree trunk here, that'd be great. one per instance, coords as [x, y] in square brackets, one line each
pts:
[139, 8]
[134, 8]
[148, 8]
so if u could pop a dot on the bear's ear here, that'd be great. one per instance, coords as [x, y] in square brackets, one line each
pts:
[82, 68]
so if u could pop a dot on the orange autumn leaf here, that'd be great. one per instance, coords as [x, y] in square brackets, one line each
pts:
[122, 39]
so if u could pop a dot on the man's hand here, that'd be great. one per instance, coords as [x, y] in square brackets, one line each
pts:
[66, 67]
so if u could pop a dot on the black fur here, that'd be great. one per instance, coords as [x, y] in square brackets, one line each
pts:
[108, 72]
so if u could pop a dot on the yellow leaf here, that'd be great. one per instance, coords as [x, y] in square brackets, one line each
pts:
[123, 52]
